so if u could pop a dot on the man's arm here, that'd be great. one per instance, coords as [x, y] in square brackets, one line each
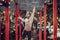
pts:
[32, 16]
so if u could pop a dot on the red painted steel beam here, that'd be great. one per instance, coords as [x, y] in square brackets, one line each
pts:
[40, 31]
[16, 21]
[7, 0]
[55, 19]
[45, 6]
[7, 21]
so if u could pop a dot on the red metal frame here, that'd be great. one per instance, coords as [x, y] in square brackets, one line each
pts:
[45, 6]
[55, 19]
[16, 21]
[7, 23]
[40, 31]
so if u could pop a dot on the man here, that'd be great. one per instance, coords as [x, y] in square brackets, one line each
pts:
[28, 24]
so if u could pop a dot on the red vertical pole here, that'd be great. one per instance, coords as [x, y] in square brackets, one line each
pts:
[45, 21]
[7, 24]
[55, 19]
[20, 27]
[16, 20]
[40, 31]
[7, 21]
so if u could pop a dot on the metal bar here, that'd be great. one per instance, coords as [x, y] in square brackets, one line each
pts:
[55, 19]
[7, 23]
[40, 31]
[16, 21]
[45, 21]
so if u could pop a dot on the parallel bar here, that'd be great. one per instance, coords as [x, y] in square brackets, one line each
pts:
[45, 21]
[16, 21]
[20, 27]
[7, 23]
[40, 31]
[55, 19]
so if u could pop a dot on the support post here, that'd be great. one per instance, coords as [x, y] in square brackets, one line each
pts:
[45, 6]
[55, 19]
[16, 21]
[7, 21]
[40, 31]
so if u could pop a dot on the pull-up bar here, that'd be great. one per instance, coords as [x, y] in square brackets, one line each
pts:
[40, 31]
[16, 21]
[45, 10]
[7, 21]
[55, 19]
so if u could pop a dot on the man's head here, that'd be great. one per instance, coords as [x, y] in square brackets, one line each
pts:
[28, 15]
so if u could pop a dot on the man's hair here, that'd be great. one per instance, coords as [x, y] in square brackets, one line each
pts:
[28, 13]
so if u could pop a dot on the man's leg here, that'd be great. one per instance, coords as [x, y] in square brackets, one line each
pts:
[24, 35]
[29, 35]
